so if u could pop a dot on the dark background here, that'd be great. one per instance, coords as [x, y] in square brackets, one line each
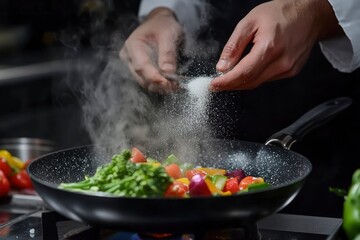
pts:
[48, 107]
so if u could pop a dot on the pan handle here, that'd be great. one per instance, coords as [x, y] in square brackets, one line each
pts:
[315, 117]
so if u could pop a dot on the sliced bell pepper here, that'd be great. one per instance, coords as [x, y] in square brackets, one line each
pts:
[219, 181]
[245, 182]
[212, 171]
[183, 180]
[258, 186]
[214, 190]
[13, 161]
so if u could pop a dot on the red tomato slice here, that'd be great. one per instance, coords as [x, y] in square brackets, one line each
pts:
[173, 170]
[4, 166]
[192, 172]
[176, 189]
[4, 184]
[232, 185]
[137, 156]
[21, 180]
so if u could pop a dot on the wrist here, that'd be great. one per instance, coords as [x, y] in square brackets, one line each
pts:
[161, 11]
[326, 19]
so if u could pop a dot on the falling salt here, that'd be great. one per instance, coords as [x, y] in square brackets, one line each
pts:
[198, 91]
[198, 87]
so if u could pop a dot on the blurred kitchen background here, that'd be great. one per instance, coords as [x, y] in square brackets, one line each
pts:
[39, 93]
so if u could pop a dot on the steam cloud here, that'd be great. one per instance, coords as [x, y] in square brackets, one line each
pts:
[119, 114]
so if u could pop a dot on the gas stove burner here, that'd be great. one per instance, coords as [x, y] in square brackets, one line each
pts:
[42, 224]
[249, 232]
[161, 236]
[71, 230]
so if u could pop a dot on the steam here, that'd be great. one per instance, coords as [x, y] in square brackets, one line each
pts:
[119, 114]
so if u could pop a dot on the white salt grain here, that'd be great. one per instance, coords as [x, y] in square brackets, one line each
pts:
[199, 90]
[198, 87]
[198, 94]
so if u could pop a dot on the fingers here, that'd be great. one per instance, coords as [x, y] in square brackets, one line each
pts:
[246, 73]
[281, 67]
[234, 48]
[139, 62]
[167, 53]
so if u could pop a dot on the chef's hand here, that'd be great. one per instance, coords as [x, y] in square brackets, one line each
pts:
[283, 33]
[151, 50]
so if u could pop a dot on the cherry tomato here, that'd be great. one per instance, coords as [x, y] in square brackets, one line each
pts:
[4, 184]
[176, 189]
[232, 185]
[21, 180]
[137, 156]
[173, 170]
[4, 166]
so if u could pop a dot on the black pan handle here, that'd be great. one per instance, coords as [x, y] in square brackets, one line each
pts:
[314, 118]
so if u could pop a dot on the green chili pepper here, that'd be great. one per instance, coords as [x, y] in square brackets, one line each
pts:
[351, 211]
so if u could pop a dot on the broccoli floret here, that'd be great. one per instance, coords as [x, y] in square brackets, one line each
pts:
[122, 177]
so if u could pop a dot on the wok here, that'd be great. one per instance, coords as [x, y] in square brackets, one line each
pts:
[285, 170]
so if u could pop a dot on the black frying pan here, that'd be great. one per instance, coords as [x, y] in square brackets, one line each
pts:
[285, 170]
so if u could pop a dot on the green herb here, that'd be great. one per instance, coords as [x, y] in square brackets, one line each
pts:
[121, 177]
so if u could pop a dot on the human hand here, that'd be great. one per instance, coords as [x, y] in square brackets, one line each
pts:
[150, 52]
[283, 33]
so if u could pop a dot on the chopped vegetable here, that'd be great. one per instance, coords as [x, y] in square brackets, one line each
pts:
[137, 156]
[173, 170]
[232, 185]
[177, 189]
[192, 172]
[212, 171]
[122, 177]
[219, 181]
[257, 186]
[132, 174]
[198, 186]
[213, 189]
[238, 173]
[246, 181]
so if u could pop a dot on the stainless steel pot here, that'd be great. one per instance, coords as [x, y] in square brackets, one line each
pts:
[27, 148]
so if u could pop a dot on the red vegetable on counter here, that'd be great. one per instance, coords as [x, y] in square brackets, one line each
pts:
[4, 184]
[21, 180]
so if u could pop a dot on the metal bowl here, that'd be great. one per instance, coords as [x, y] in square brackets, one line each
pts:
[27, 148]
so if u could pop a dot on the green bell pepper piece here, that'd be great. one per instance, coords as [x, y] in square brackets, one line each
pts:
[219, 181]
[258, 186]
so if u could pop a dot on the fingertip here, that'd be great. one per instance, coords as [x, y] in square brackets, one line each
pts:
[214, 86]
[168, 67]
[223, 65]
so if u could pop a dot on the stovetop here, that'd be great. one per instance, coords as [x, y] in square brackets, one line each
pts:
[26, 217]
